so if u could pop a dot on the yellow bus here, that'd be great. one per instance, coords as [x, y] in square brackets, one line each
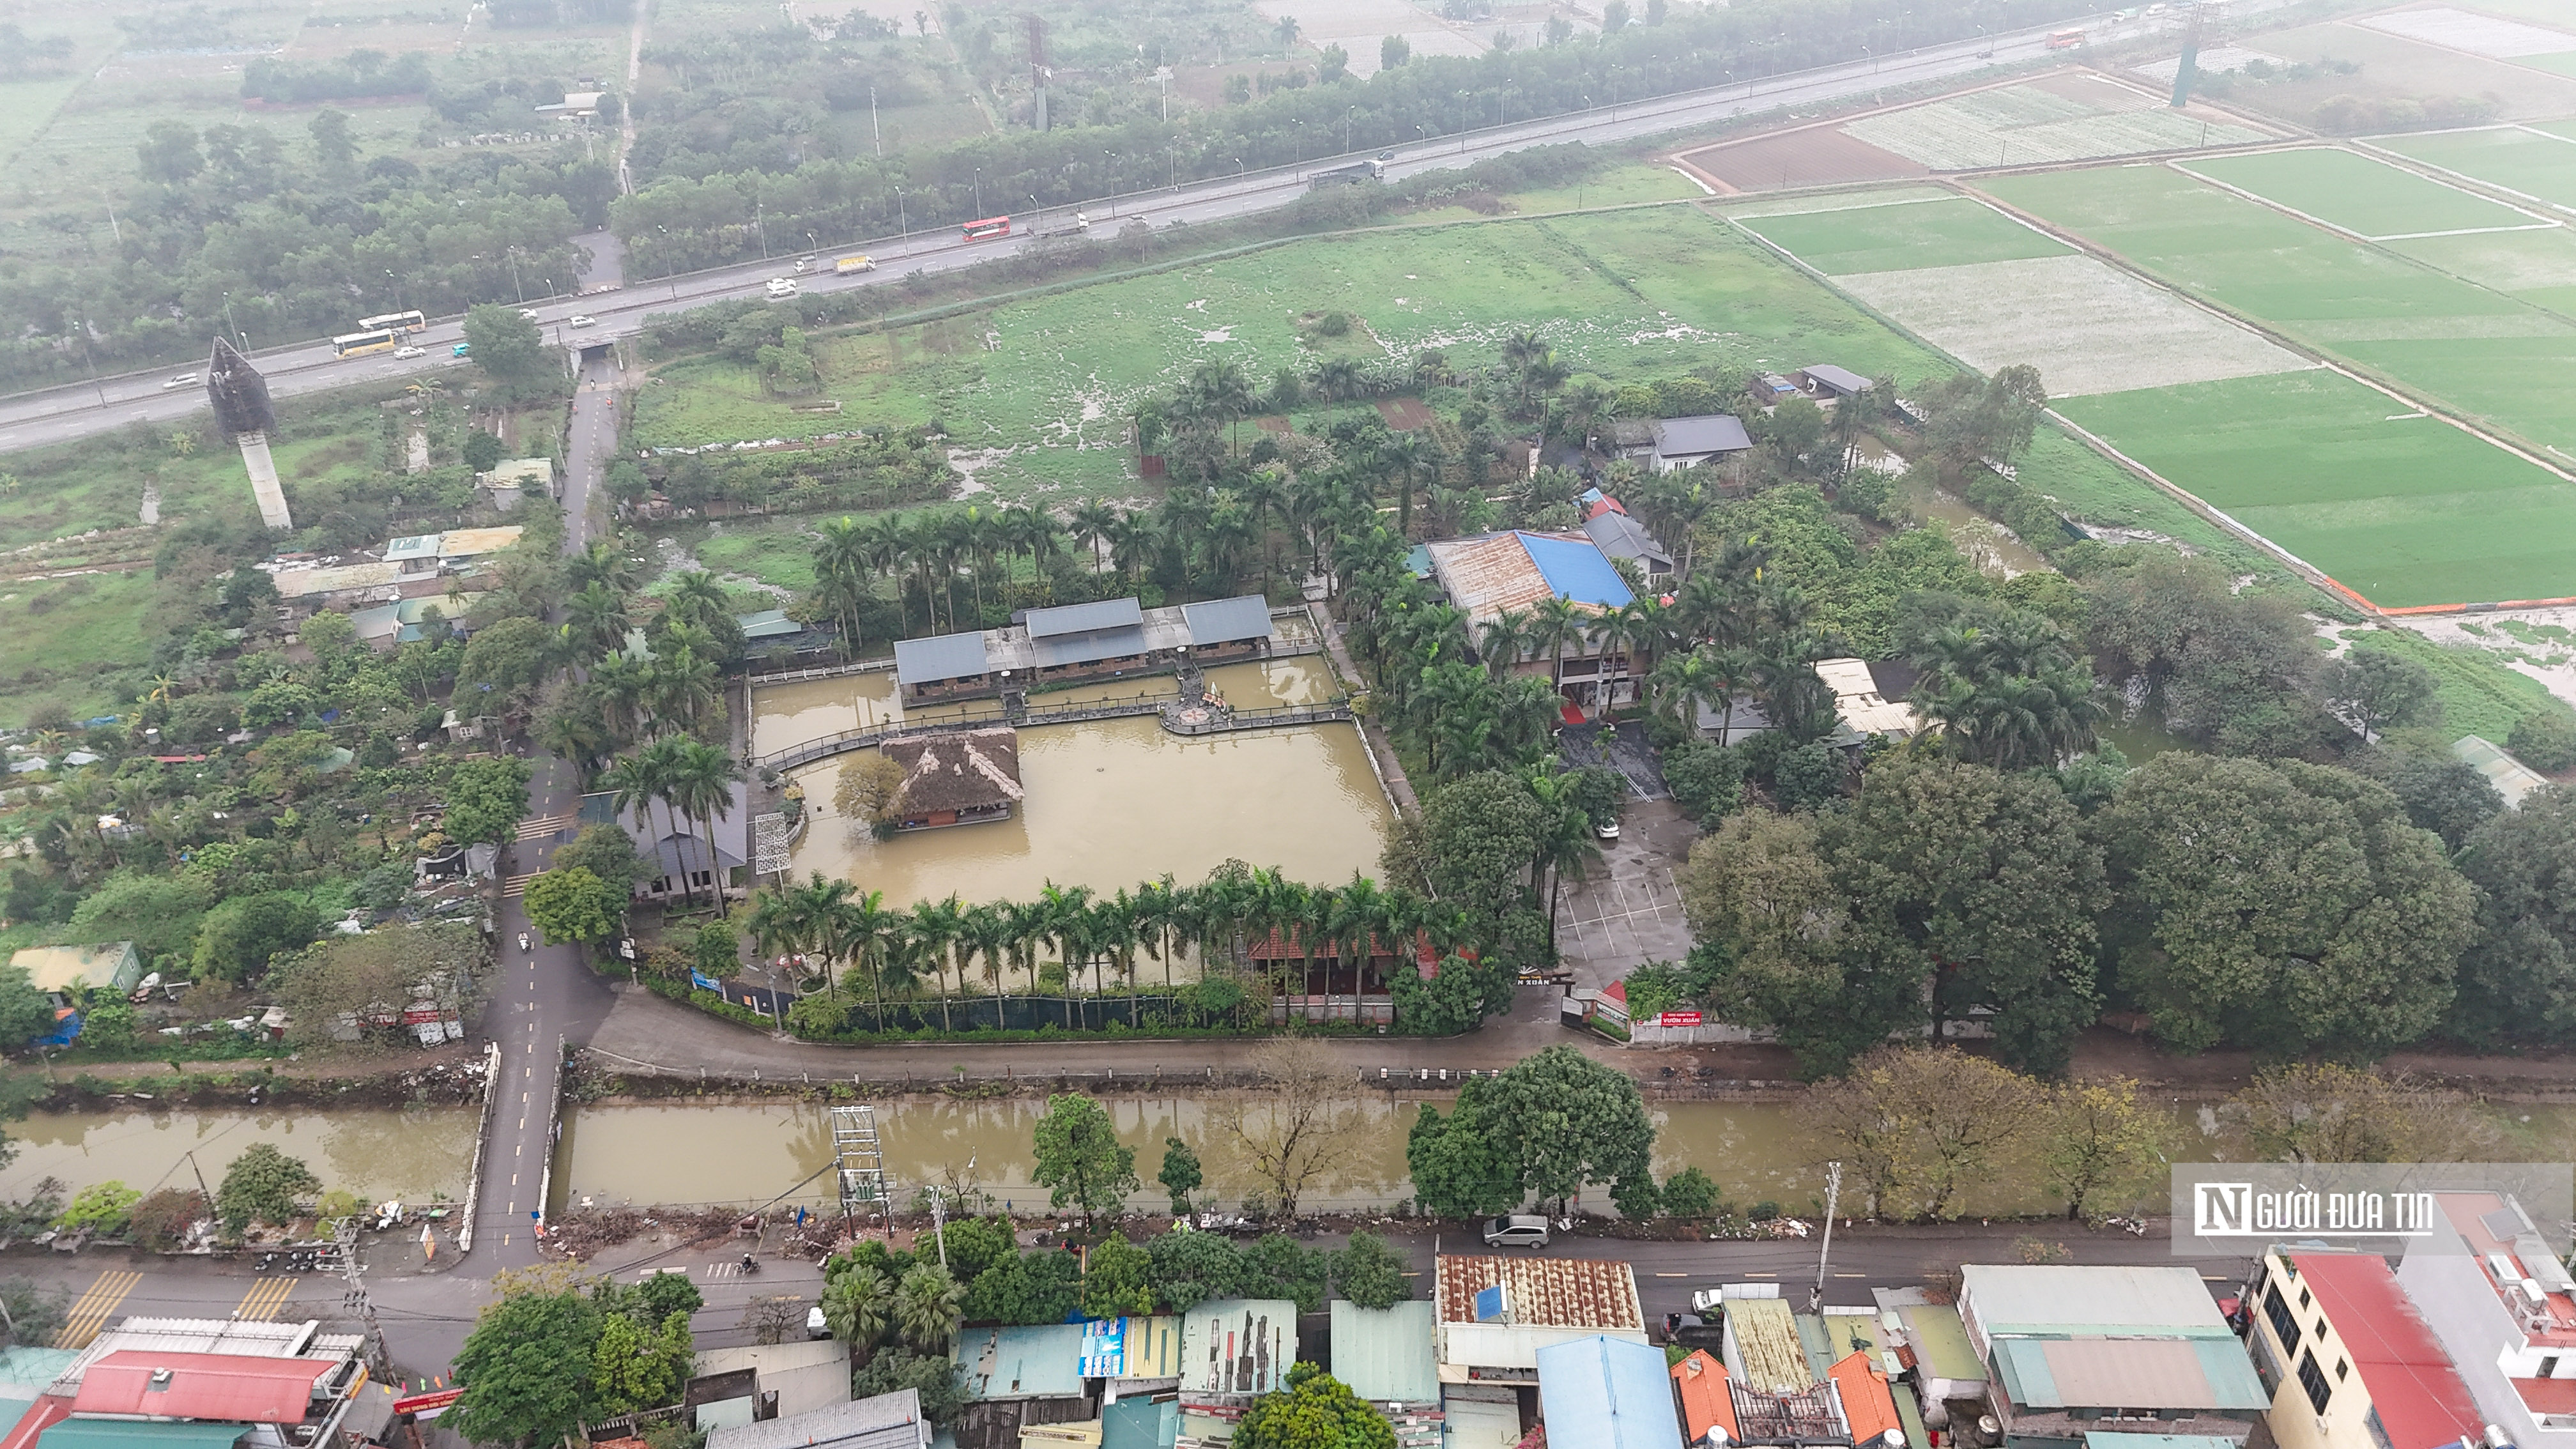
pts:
[394, 322]
[359, 344]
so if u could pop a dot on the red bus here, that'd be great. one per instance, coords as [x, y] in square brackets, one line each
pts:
[2065, 39]
[989, 228]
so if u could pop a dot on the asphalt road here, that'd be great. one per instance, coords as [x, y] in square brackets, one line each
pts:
[62, 413]
[542, 995]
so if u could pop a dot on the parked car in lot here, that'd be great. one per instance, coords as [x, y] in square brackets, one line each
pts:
[1516, 1230]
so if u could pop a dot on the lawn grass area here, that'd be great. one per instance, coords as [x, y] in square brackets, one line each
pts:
[2366, 197]
[2092, 489]
[774, 551]
[1646, 293]
[2414, 325]
[2480, 694]
[1625, 184]
[2542, 167]
[1904, 237]
[86, 630]
[2537, 266]
[2405, 512]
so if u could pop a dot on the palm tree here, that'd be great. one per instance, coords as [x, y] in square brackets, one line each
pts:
[578, 733]
[639, 782]
[603, 562]
[940, 927]
[1221, 391]
[984, 931]
[701, 788]
[928, 1306]
[858, 1306]
[1407, 458]
[1116, 929]
[598, 619]
[779, 923]
[1093, 524]
[1133, 542]
[684, 685]
[1565, 841]
[1556, 620]
[854, 927]
[1156, 911]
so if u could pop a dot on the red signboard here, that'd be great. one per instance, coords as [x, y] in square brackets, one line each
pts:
[1678, 1018]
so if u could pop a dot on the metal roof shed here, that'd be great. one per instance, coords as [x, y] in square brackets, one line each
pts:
[1699, 436]
[1022, 1363]
[1085, 618]
[1228, 621]
[203, 1386]
[1238, 1346]
[1385, 1354]
[1061, 649]
[1607, 1393]
[940, 657]
[885, 1421]
[2067, 1299]
[1841, 381]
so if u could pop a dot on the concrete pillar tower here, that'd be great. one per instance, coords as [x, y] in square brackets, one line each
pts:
[240, 398]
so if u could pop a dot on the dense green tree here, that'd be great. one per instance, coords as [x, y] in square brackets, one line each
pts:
[1972, 889]
[1117, 1281]
[261, 1186]
[574, 905]
[933, 1376]
[1190, 1268]
[525, 1370]
[2447, 796]
[968, 1246]
[1371, 1274]
[486, 800]
[25, 1014]
[1760, 889]
[2287, 906]
[1080, 1158]
[1460, 1166]
[1180, 1174]
[1315, 1411]
[1463, 992]
[2545, 738]
[1026, 1288]
[158, 913]
[503, 662]
[1570, 1121]
[605, 851]
[2518, 978]
[511, 350]
[237, 939]
[1483, 832]
[2234, 670]
[635, 1366]
[1690, 1195]
[2375, 691]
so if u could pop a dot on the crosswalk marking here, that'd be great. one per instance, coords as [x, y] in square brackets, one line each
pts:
[89, 1312]
[544, 825]
[517, 885]
[265, 1298]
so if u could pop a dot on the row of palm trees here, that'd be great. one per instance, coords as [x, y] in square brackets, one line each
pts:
[901, 952]
[923, 1309]
[691, 780]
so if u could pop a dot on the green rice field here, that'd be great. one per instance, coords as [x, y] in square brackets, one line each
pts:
[2531, 162]
[1045, 383]
[1903, 237]
[2352, 192]
[2404, 510]
[2491, 356]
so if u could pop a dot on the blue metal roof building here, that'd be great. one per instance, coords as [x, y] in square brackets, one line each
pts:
[1607, 1393]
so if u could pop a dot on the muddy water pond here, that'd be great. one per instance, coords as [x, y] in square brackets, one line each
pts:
[669, 1154]
[1113, 803]
[376, 1153]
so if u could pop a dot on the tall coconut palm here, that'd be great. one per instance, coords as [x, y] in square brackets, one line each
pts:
[858, 1306]
[1093, 524]
[598, 619]
[1115, 933]
[1156, 905]
[856, 925]
[845, 564]
[624, 685]
[701, 789]
[603, 562]
[940, 927]
[985, 932]
[1553, 622]
[685, 685]
[1410, 458]
[639, 782]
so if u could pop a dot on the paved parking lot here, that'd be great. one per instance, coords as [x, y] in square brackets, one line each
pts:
[1628, 911]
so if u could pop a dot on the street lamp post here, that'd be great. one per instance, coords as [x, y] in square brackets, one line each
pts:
[901, 219]
[979, 188]
[1346, 128]
[1114, 159]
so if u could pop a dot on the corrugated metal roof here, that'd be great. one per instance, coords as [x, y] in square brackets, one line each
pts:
[418, 545]
[133, 1434]
[1387, 1354]
[59, 968]
[2010, 1298]
[1576, 570]
[2512, 778]
[1840, 379]
[1694, 437]
[768, 624]
[1228, 621]
[1132, 1348]
[1543, 1292]
[1054, 651]
[1868, 1405]
[1607, 1393]
[885, 1421]
[1085, 618]
[1701, 1382]
[236, 1387]
[476, 542]
[1044, 1362]
[1619, 536]
[2414, 1387]
[942, 656]
[1238, 1345]
[2137, 1373]
[1941, 1341]
[2096, 1439]
[1762, 1347]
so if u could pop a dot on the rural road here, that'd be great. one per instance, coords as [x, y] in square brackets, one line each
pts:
[60, 414]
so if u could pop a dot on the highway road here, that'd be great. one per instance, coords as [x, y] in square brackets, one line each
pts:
[59, 414]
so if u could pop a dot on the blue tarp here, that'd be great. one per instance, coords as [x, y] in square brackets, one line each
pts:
[1576, 570]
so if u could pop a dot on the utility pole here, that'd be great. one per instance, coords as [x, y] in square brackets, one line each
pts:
[1833, 1195]
[875, 134]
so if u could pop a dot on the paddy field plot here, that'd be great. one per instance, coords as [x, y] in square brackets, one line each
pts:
[2070, 117]
[2487, 35]
[2360, 196]
[1937, 230]
[2489, 355]
[2404, 509]
[2529, 161]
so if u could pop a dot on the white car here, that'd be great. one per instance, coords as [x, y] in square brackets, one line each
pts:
[185, 379]
[528, 312]
[579, 320]
[411, 352]
[780, 287]
[1607, 830]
